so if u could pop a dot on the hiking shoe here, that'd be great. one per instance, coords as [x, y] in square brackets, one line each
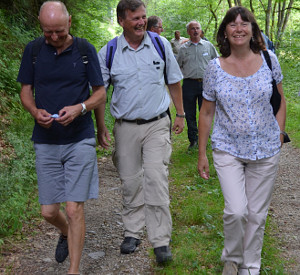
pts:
[129, 245]
[193, 145]
[230, 268]
[163, 254]
[62, 250]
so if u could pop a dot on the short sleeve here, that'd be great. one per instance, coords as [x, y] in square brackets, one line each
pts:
[173, 71]
[93, 68]
[276, 69]
[104, 69]
[209, 81]
[26, 72]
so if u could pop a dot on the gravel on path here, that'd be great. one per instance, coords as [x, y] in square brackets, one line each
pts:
[104, 232]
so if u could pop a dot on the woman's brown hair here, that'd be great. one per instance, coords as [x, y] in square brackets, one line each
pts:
[256, 43]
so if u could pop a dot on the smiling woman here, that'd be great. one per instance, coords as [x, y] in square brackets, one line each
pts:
[239, 22]
[246, 138]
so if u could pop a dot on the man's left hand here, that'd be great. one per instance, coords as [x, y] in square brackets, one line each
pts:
[68, 114]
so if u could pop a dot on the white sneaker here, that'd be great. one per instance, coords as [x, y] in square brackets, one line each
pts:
[230, 268]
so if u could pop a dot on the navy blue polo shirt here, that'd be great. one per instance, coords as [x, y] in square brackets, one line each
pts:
[59, 81]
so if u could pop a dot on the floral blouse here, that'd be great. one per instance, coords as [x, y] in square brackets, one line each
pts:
[244, 124]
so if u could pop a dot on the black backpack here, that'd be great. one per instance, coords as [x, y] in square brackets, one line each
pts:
[82, 45]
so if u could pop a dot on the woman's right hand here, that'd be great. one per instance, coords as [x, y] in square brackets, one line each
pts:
[203, 167]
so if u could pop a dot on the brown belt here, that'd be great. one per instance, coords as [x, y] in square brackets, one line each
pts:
[195, 79]
[143, 121]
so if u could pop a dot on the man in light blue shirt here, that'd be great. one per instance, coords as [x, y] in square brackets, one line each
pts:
[142, 128]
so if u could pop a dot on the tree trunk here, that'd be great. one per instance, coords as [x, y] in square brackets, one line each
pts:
[273, 21]
[215, 17]
[238, 2]
[268, 15]
[251, 6]
[284, 17]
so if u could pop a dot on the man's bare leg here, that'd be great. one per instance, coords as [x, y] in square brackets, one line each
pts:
[54, 216]
[76, 234]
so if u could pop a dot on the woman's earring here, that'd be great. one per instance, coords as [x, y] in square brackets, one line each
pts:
[252, 38]
[225, 38]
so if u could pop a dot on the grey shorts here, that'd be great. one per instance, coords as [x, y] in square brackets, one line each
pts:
[67, 172]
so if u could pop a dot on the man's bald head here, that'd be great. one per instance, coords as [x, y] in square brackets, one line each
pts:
[55, 22]
[53, 9]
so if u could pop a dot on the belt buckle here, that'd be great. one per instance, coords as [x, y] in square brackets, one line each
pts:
[139, 121]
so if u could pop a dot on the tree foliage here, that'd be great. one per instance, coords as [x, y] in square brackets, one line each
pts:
[96, 21]
[275, 17]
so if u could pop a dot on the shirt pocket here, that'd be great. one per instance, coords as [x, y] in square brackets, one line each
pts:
[120, 76]
[204, 54]
[188, 57]
[154, 71]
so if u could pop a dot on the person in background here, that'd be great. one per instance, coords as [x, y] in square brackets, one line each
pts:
[202, 36]
[268, 43]
[177, 41]
[193, 58]
[143, 148]
[155, 24]
[246, 138]
[55, 91]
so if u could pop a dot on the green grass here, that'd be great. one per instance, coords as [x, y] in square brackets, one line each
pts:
[197, 205]
[18, 187]
[197, 210]
[290, 66]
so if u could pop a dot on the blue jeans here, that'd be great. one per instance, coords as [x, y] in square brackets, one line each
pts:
[192, 92]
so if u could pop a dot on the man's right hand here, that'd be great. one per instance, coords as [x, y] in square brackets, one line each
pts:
[43, 118]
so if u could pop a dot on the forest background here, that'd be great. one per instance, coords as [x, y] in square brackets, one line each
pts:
[96, 21]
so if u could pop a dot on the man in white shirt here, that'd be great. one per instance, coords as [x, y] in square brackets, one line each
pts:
[142, 128]
[177, 41]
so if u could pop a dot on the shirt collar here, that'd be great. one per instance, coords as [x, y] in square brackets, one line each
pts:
[192, 43]
[124, 44]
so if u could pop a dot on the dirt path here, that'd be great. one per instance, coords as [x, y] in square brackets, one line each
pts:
[101, 254]
[104, 231]
[285, 206]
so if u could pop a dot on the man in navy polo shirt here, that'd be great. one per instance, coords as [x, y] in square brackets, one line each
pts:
[55, 90]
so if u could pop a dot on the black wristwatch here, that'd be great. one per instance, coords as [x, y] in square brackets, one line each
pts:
[283, 133]
[286, 137]
[182, 116]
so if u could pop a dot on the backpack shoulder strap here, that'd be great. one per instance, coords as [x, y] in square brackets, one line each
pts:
[268, 59]
[159, 46]
[110, 51]
[82, 45]
[37, 44]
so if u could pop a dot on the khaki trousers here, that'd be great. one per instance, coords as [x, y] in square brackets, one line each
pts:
[247, 188]
[142, 154]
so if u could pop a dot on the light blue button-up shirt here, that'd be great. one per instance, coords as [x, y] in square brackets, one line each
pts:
[244, 123]
[138, 79]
